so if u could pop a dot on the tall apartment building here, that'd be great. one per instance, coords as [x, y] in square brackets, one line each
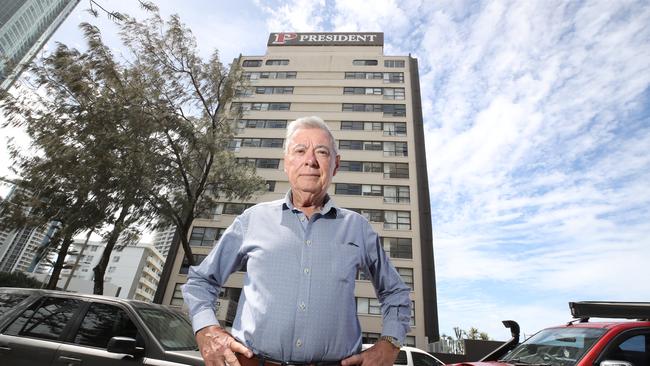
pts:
[163, 238]
[19, 246]
[133, 271]
[371, 102]
[25, 27]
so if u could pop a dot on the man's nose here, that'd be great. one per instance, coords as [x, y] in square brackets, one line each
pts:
[310, 159]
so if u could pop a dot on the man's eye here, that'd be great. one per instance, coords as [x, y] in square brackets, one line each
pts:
[323, 152]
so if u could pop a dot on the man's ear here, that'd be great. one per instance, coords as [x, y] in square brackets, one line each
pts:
[336, 164]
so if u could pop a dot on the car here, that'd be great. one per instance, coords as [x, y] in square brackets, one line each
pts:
[43, 327]
[622, 339]
[411, 356]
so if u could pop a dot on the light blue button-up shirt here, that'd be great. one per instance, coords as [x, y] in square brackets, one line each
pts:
[297, 302]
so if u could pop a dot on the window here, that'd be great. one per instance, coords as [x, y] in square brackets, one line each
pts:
[350, 145]
[373, 145]
[369, 338]
[397, 220]
[270, 185]
[423, 359]
[407, 276]
[274, 90]
[362, 91]
[93, 249]
[44, 319]
[198, 258]
[264, 123]
[351, 125]
[278, 75]
[401, 358]
[368, 306]
[345, 188]
[394, 128]
[372, 167]
[234, 208]
[350, 166]
[364, 62]
[364, 75]
[371, 190]
[410, 341]
[393, 63]
[394, 93]
[395, 110]
[277, 62]
[116, 258]
[394, 148]
[412, 313]
[177, 296]
[633, 349]
[397, 194]
[252, 63]
[393, 77]
[103, 321]
[9, 300]
[203, 236]
[372, 215]
[267, 163]
[396, 170]
[398, 247]
[111, 269]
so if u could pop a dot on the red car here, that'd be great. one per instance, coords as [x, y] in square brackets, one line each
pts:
[621, 342]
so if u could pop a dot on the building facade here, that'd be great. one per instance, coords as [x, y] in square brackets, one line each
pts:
[371, 102]
[132, 272]
[25, 27]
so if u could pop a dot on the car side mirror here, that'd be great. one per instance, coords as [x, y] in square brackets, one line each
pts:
[615, 363]
[124, 345]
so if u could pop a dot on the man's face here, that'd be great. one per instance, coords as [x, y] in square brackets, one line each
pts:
[310, 162]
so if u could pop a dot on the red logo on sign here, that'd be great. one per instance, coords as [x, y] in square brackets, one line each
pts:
[282, 38]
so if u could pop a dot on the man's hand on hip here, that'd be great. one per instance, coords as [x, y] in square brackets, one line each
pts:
[381, 354]
[218, 347]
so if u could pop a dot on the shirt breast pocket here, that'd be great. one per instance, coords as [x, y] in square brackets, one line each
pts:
[347, 261]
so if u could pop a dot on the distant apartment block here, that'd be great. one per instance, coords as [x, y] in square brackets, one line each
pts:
[162, 239]
[25, 27]
[133, 271]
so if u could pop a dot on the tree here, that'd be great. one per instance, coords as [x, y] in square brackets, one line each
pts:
[187, 99]
[18, 279]
[118, 141]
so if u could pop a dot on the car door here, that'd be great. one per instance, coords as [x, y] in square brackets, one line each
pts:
[35, 335]
[88, 343]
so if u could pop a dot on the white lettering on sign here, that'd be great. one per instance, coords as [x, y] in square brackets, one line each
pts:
[289, 39]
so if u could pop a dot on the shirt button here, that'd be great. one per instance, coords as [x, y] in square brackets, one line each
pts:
[299, 343]
[308, 242]
[302, 306]
[302, 219]
[306, 270]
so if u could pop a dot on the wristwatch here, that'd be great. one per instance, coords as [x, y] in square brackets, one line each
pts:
[391, 340]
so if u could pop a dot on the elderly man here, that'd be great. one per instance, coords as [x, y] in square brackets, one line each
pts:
[302, 254]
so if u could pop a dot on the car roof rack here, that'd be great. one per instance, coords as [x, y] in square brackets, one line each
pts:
[610, 309]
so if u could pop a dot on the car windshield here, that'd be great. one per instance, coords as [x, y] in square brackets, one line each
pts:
[172, 330]
[555, 346]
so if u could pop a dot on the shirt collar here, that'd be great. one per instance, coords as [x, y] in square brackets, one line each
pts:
[328, 209]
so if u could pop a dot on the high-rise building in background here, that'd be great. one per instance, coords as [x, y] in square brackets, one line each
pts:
[371, 102]
[163, 238]
[25, 27]
[132, 272]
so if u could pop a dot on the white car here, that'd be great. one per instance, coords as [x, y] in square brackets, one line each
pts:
[411, 356]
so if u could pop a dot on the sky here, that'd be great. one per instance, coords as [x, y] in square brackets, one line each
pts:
[537, 123]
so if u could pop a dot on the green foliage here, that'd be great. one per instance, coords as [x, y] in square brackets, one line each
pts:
[18, 279]
[117, 142]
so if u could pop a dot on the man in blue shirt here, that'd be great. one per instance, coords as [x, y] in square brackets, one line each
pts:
[302, 254]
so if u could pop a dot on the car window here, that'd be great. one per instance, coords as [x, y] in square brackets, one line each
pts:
[421, 359]
[8, 301]
[44, 319]
[101, 322]
[173, 331]
[401, 358]
[633, 349]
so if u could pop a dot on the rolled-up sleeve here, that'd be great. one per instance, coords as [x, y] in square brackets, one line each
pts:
[392, 292]
[204, 282]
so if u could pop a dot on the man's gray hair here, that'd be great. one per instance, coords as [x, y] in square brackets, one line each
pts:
[307, 123]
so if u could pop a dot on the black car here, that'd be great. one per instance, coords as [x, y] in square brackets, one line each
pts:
[41, 327]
